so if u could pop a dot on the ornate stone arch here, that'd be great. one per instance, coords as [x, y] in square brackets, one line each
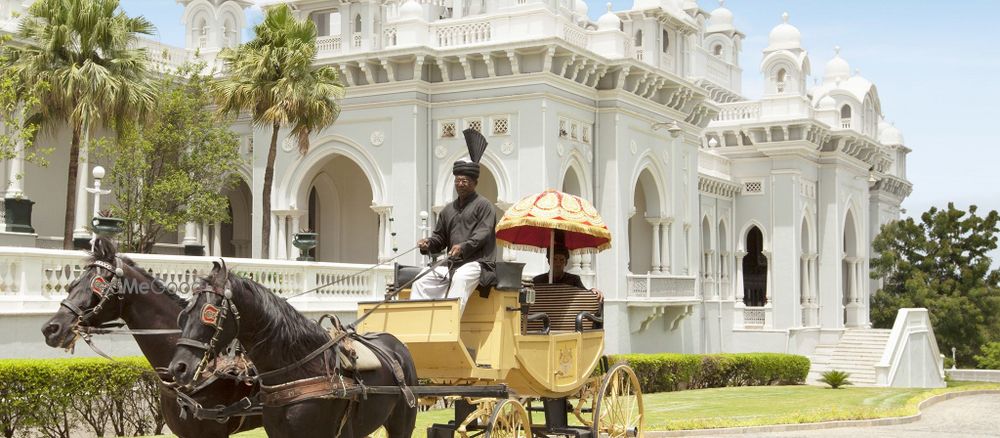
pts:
[576, 161]
[808, 222]
[742, 241]
[296, 181]
[662, 199]
[444, 192]
[851, 211]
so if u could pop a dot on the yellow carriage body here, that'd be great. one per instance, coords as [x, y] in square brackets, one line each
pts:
[487, 344]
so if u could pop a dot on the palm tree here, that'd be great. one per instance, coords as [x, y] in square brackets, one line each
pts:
[272, 77]
[87, 53]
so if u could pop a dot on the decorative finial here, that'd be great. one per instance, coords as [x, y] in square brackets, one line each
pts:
[836, 49]
[784, 17]
[609, 6]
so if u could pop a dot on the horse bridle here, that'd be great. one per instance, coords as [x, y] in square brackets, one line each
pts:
[212, 316]
[101, 287]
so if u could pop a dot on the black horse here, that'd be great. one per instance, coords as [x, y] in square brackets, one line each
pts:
[144, 304]
[277, 337]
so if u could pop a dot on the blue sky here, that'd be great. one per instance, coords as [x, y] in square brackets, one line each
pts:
[935, 65]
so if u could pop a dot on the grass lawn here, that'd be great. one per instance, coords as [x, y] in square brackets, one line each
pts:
[755, 406]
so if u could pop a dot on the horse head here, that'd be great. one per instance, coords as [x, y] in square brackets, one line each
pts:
[208, 325]
[96, 297]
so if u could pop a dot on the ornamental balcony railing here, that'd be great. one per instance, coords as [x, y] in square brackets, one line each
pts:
[754, 316]
[743, 111]
[35, 280]
[661, 287]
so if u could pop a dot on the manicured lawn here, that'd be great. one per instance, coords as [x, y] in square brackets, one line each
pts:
[759, 405]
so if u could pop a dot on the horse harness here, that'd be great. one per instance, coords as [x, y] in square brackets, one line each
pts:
[332, 385]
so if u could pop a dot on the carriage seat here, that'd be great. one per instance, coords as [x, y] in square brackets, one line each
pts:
[566, 309]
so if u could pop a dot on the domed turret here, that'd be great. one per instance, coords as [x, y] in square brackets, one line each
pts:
[784, 36]
[609, 21]
[827, 103]
[721, 19]
[580, 7]
[837, 69]
[890, 135]
[639, 5]
[411, 9]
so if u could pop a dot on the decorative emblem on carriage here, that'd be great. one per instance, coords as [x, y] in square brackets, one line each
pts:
[565, 361]
[507, 148]
[210, 315]
[440, 151]
[377, 138]
[98, 286]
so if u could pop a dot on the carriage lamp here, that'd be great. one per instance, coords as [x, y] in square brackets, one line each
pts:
[672, 127]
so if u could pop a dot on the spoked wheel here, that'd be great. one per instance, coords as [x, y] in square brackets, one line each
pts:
[379, 433]
[509, 420]
[618, 411]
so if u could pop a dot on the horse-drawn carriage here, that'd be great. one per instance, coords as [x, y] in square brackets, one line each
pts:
[516, 349]
[508, 350]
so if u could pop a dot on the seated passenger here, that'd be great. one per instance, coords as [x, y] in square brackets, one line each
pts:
[557, 264]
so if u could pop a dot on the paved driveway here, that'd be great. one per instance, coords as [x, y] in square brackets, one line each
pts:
[960, 417]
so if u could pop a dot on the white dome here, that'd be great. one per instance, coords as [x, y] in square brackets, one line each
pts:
[891, 136]
[645, 4]
[721, 19]
[411, 9]
[827, 103]
[837, 69]
[784, 36]
[580, 7]
[688, 5]
[609, 21]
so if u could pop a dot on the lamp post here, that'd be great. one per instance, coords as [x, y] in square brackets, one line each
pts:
[953, 363]
[98, 174]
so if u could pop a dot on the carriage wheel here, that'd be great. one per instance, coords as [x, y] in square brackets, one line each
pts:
[618, 405]
[509, 420]
[379, 433]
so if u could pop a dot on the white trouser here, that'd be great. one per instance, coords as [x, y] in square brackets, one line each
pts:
[435, 284]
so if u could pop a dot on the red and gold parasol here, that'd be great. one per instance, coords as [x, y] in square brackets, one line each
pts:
[531, 224]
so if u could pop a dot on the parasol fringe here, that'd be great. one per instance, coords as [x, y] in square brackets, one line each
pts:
[592, 230]
[532, 248]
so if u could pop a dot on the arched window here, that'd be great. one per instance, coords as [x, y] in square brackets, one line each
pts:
[754, 270]
[845, 112]
[780, 80]
[357, 23]
[666, 41]
[638, 38]
[717, 50]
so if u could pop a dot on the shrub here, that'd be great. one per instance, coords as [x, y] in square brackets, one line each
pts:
[675, 372]
[990, 356]
[56, 397]
[835, 378]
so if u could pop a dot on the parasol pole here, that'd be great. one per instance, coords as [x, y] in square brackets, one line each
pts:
[552, 251]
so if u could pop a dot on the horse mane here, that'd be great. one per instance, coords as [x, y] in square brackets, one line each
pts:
[105, 250]
[289, 332]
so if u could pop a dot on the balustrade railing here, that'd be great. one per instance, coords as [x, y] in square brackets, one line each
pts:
[661, 286]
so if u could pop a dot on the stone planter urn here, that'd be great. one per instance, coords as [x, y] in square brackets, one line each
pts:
[305, 241]
[107, 227]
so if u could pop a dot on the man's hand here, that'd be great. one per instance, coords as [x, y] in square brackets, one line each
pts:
[423, 244]
[455, 251]
[600, 295]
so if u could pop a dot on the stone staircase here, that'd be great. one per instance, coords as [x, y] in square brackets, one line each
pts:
[857, 353]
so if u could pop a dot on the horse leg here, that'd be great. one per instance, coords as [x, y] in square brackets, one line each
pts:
[319, 418]
[403, 418]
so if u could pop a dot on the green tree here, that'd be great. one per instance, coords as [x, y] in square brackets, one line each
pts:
[273, 79]
[17, 133]
[176, 167]
[942, 264]
[87, 53]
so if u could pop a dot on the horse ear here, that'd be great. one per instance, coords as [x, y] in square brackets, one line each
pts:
[104, 249]
[219, 272]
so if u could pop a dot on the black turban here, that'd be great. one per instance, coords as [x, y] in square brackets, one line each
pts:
[477, 146]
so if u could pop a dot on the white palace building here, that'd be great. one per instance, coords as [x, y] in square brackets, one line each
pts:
[739, 225]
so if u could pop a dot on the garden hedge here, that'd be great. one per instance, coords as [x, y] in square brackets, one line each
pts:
[98, 397]
[674, 372]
